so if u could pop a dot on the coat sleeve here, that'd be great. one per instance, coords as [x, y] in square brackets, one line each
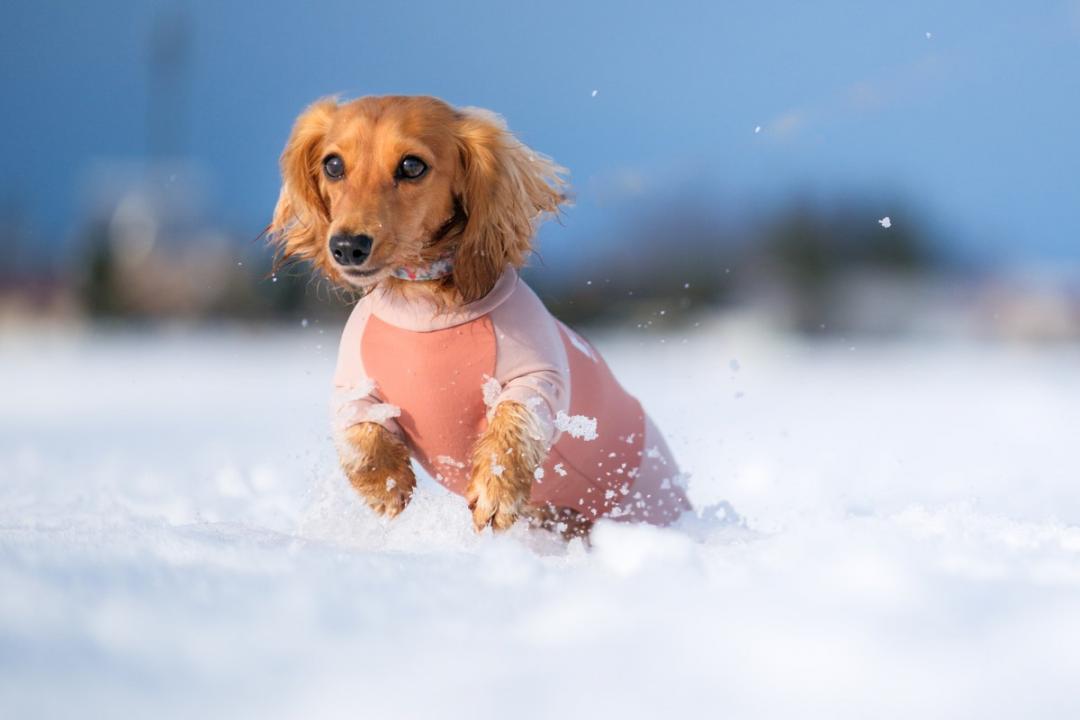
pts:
[531, 365]
[356, 396]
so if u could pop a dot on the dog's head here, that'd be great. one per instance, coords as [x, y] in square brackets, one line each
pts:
[381, 183]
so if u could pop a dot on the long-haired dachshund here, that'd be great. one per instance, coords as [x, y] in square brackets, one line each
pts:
[449, 357]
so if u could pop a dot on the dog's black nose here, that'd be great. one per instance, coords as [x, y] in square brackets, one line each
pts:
[350, 249]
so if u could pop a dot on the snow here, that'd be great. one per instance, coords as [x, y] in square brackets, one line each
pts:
[491, 388]
[885, 222]
[578, 426]
[360, 391]
[381, 412]
[902, 540]
[447, 460]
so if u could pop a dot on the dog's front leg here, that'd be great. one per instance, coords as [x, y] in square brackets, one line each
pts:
[504, 461]
[377, 464]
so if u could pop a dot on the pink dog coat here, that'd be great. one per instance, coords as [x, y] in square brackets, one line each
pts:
[432, 377]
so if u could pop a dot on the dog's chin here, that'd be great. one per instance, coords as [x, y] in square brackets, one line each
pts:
[363, 278]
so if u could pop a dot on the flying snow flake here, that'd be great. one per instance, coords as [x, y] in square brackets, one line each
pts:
[560, 470]
[757, 129]
[885, 222]
[594, 92]
[734, 365]
[929, 35]
[578, 426]
[304, 322]
[538, 474]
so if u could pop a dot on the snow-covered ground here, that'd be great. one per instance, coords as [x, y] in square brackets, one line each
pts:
[176, 541]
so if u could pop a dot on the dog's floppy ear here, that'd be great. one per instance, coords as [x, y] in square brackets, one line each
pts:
[301, 218]
[505, 189]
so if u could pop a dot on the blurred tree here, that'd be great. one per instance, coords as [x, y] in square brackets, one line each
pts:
[99, 290]
[813, 249]
[671, 259]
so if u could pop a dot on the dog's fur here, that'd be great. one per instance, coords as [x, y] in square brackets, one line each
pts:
[481, 198]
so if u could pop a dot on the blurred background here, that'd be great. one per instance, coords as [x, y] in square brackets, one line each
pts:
[829, 168]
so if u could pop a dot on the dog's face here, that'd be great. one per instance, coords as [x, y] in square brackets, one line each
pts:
[386, 182]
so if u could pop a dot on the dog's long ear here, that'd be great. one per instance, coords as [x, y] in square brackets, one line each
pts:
[505, 190]
[301, 218]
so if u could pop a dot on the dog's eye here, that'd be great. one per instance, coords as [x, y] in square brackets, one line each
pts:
[411, 167]
[333, 166]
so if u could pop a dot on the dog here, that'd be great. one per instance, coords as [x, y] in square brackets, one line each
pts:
[449, 357]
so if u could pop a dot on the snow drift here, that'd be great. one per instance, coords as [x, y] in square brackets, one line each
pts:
[900, 539]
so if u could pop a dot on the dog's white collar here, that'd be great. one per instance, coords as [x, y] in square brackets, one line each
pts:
[420, 312]
[435, 270]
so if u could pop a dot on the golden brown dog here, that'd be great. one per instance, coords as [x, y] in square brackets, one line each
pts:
[381, 184]
[481, 196]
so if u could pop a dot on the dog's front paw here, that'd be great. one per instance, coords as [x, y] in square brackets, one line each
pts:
[503, 462]
[377, 465]
[495, 496]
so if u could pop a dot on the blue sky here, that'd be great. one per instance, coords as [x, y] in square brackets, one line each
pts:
[975, 125]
